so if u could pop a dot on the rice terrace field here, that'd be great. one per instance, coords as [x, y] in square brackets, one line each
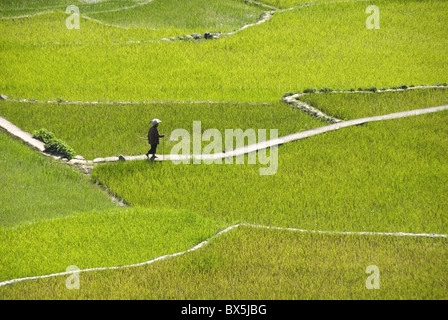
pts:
[305, 153]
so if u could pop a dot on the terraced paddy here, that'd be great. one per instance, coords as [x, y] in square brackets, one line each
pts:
[339, 202]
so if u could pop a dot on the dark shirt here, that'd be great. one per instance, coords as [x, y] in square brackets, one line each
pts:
[153, 135]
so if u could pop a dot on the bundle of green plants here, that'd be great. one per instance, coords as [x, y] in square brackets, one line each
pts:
[43, 135]
[309, 90]
[57, 146]
[54, 145]
[79, 126]
[325, 89]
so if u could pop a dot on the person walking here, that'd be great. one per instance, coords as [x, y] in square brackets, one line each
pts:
[153, 138]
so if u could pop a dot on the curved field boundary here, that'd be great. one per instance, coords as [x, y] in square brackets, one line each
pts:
[137, 102]
[281, 140]
[18, 133]
[261, 4]
[194, 36]
[103, 11]
[28, 15]
[267, 15]
[28, 139]
[198, 246]
[360, 233]
[86, 17]
[140, 4]
[287, 99]
[295, 100]
[207, 241]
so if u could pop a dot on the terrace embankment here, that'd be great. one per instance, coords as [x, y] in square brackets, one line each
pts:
[6, 125]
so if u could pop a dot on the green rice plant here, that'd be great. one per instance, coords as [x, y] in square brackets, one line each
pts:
[285, 3]
[12, 8]
[59, 147]
[322, 45]
[157, 19]
[99, 239]
[386, 176]
[197, 15]
[358, 105]
[260, 264]
[106, 130]
[50, 30]
[36, 188]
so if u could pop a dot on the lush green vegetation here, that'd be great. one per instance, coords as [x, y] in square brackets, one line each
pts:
[283, 4]
[323, 45]
[214, 16]
[13, 8]
[249, 263]
[107, 130]
[53, 145]
[36, 188]
[50, 30]
[388, 176]
[99, 239]
[359, 105]
[154, 19]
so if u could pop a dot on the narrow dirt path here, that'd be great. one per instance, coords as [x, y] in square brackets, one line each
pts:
[281, 140]
[296, 100]
[27, 138]
[18, 133]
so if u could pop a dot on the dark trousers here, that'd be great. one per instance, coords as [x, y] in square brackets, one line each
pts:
[153, 149]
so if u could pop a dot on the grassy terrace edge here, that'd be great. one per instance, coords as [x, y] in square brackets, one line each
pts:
[36, 188]
[302, 60]
[251, 263]
[392, 177]
[99, 239]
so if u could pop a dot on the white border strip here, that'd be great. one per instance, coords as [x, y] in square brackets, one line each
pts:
[205, 242]
[30, 15]
[198, 246]
[7, 126]
[363, 233]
